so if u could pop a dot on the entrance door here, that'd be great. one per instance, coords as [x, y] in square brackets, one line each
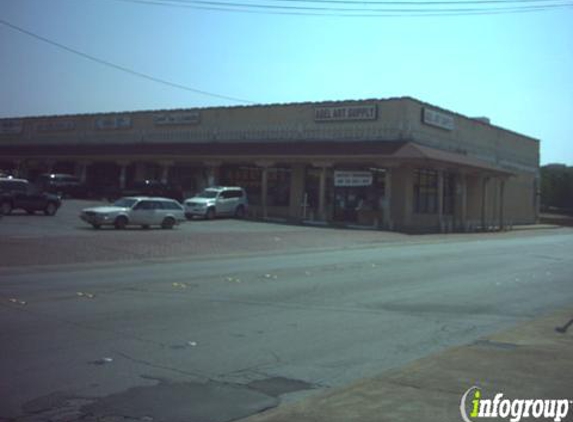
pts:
[347, 202]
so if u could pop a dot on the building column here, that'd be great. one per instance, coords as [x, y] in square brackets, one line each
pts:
[441, 200]
[165, 166]
[536, 197]
[322, 194]
[82, 170]
[387, 209]
[122, 173]
[484, 191]
[463, 184]
[501, 204]
[264, 165]
[212, 172]
[324, 166]
[19, 169]
[296, 191]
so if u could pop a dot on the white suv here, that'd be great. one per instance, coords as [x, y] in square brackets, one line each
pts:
[217, 200]
[141, 211]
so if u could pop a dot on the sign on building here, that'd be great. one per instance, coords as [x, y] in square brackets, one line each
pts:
[189, 118]
[352, 178]
[437, 119]
[113, 122]
[10, 126]
[337, 114]
[56, 126]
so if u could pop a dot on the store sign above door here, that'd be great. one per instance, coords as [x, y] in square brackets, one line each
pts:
[352, 178]
[113, 122]
[438, 119]
[191, 118]
[337, 114]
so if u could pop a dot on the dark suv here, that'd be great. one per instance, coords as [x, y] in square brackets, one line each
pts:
[63, 185]
[20, 194]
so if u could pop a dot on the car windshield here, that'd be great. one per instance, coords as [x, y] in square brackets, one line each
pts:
[125, 202]
[208, 194]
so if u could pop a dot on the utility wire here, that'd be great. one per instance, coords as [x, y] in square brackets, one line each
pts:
[119, 67]
[540, 5]
[364, 4]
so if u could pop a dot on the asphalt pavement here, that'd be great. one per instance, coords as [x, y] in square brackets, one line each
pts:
[187, 330]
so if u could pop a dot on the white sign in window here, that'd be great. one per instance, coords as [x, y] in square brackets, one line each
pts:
[352, 178]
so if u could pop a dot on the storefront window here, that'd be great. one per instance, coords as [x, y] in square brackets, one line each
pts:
[246, 177]
[425, 191]
[449, 193]
[250, 179]
[356, 200]
[278, 186]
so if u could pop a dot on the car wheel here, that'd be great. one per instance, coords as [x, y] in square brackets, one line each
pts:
[240, 212]
[6, 208]
[51, 209]
[96, 226]
[168, 223]
[30, 212]
[120, 222]
[210, 215]
[144, 226]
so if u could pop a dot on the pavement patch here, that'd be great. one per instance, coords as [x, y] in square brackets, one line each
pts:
[183, 402]
[277, 386]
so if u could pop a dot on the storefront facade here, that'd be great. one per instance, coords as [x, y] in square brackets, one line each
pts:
[397, 164]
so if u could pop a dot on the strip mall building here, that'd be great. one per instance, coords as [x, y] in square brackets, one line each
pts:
[397, 163]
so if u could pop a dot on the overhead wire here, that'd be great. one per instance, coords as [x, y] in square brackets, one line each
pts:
[382, 3]
[120, 67]
[509, 6]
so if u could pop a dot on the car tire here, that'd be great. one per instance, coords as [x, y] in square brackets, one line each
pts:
[30, 212]
[240, 212]
[168, 223]
[6, 208]
[96, 226]
[210, 214]
[145, 226]
[120, 222]
[51, 209]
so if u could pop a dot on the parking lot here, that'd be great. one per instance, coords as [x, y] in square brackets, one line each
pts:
[65, 239]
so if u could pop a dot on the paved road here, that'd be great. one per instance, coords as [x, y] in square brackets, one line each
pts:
[215, 338]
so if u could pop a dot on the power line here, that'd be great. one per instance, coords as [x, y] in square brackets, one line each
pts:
[233, 6]
[119, 67]
[384, 3]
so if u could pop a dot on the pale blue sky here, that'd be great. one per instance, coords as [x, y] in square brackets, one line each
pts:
[516, 69]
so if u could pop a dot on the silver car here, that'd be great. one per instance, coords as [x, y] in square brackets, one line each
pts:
[140, 211]
[216, 201]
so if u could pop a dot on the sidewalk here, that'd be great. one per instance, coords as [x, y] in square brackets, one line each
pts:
[531, 361]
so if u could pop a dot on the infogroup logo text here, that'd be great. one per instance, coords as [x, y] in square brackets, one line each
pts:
[514, 409]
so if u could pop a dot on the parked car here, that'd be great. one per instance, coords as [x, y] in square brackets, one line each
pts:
[21, 194]
[140, 211]
[147, 188]
[217, 201]
[63, 185]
